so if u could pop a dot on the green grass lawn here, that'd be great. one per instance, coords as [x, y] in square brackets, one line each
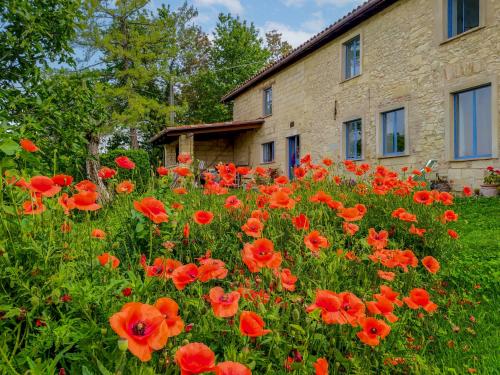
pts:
[475, 283]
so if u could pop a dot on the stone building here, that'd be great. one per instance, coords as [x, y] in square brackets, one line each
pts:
[394, 82]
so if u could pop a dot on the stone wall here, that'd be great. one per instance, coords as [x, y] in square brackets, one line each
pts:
[406, 62]
[214, 150]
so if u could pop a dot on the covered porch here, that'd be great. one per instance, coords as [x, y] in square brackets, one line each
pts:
[209, 144]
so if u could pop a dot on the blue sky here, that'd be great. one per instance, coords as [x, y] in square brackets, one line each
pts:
[297, 20]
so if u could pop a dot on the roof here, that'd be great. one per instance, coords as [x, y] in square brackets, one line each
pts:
[215, 127]
[346, 23]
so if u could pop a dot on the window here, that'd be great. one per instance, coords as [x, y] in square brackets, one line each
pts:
[268, 101]
[352, 51]
[353, 140]
[463, 15]
[472, 123]
[393, 132]
[268, 152]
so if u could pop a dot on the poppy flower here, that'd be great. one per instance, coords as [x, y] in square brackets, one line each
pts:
[467, 191]
[377, 240]
[314, 241]
[252, 325]
[224, 305]
[162, 171]
[329, 304]
[281, 199]
[299, 173]
[253, 227]
[125, 187]
[62, 180]
[431, 264]
[85, 185]
[211, 269]
[353, 213]
[99, 234]
[281, 180]
[349, 228]
[420, 298]
[243, 170]
[44, 185]
[383, 306]
[385, 275]
[301, 222]
[260, 254]
[66, 203]
[262, 215]
[124, 162]
[195, 358]
[450, 215]
[373, 331]
[203, 217]
[231, 368]
[184, 158]
[403, 215]
[106, 258]
[288, 280]
[321, 366]
[170, 311]
[106, 173]
[28, 145]
[143, 326]
[328, 162]
[184, 275]
[86, 201]
[153, 209]
[232, 202]
[182, 171]
[180, 191]
[126, 292]
[391, 295]
[452, 234]
[33, 207]
[423, 197]
[162, 268]
[417, 231]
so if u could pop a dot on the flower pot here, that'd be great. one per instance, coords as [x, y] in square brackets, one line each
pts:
[489, 190]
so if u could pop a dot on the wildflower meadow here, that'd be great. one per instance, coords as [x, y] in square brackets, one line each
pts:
[349, 268]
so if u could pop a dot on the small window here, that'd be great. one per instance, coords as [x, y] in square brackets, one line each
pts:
[352, 54]
[463, 15]
[472, 123]
[393, 132]
[268, 152]
[353, 140]
[268, 101]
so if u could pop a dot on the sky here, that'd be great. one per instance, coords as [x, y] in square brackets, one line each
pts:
[297, 20]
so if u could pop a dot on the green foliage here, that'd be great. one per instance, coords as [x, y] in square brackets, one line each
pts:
[141, 174]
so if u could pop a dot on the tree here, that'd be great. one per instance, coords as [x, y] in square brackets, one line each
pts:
[276, 46]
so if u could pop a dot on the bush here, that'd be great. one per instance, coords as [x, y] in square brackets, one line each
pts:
[141, 174]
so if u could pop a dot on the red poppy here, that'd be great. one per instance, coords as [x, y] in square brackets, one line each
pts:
[224, 305]
[377, 240]
[106, 258]
[231, 368]
[252, 325]
[353, 213]
[143, 326]
[243, 170]
[403, 215]
[184, 275]
[195, 358]
[182, 171]
[383, 306]
[262, 215]
[153, 209]
[373, 331]
[184, 158]
[281, 180]
[467, 191]
[86, 201]
[126, 292]
[66, 203]
[85, 185]
[384, 275]
[124, 162]
[62, 180]
[106, 173]
[450, 215]
[281, 199]
[288, 280]
[423, 197]
[232, 202]
[321, 366]
[28, 145]
[328, 162]
[349, 228]
[125, 187]
[170, 311]
[99, 234]
[162, 267]
[162, 171]
[301, 222]
[299, 173]
[44, 185]
[420, 298]
[391, 295]
[417, 231]
[431, 264]
[211, 269]
[260, 254]
[314, 241]
[33, 207]
[329, 304]
[203, 217]
[452, 234]
[253, 227]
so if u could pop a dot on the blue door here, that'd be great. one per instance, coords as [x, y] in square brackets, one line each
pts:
[293, 154]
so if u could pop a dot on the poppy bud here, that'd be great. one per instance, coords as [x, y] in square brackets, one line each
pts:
[295, 315]
[62, 371]
[185, 342]
[104, 331]
[189, 327]
[123, 345]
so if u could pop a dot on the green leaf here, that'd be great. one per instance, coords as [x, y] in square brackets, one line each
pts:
[9, 147]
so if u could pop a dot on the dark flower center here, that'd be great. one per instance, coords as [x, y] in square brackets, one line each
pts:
[139, 328]
[373, 330]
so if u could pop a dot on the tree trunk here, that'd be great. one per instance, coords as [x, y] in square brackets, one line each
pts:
[134, 139]
[93, 166]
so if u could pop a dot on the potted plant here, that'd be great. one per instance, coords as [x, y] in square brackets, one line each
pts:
[491, 181]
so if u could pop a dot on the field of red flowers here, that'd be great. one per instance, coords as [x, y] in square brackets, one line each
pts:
[342, 270]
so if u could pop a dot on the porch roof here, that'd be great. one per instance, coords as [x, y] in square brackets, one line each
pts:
[216, 127]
